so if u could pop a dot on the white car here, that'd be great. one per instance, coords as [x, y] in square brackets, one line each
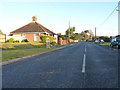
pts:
[97, 41]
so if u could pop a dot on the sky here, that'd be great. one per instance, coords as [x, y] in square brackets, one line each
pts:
[56, 16]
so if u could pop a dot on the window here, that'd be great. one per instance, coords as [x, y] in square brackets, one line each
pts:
[36, 35]
[23, 35]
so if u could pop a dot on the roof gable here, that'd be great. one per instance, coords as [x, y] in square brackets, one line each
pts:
[32, 27]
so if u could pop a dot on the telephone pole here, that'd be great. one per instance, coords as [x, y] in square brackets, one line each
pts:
[95, 33]
[69, 33]
[118, 17]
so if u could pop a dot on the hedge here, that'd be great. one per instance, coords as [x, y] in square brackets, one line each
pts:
[43, 38]
[25, 40]
[11, 40]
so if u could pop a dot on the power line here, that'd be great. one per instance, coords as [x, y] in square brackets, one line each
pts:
[108, 17]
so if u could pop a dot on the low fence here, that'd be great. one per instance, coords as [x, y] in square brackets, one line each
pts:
[62, 42]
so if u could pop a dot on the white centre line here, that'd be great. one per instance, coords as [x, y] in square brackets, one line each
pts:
[83, 66]
[85, 49]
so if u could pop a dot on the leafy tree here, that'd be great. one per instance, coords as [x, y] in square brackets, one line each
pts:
[86, 31]
[87, 35]
[64, 37]
[76, 36]
[105, 38]
[70, 32]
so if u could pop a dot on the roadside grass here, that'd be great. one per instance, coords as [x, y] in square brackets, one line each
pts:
[105, 44]
[12, 54]
[22, 45]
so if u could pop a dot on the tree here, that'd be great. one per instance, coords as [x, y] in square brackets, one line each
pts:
[64, 37]
[70, 32]
[105, 38]
[86, 31]
[77, 36]
[87, 35]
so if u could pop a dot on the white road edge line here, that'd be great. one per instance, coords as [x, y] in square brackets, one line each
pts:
[83, 66]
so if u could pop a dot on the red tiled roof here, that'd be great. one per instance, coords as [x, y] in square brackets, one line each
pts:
[32, 27]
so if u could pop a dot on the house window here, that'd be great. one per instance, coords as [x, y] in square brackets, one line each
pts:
[23, 35]
[36, 37]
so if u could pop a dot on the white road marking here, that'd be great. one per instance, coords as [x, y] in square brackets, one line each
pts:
[85, 49]
[83, 66]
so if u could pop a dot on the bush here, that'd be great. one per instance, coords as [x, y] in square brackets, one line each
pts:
[16, 41]
[105, 38]
[24, 40]
[52, 44]
[43, 38]
[11, 40]
[64, 37]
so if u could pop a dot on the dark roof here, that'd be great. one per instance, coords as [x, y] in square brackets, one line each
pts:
[32, 27]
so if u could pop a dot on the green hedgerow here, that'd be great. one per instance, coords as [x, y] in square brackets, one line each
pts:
[43, 38]
[25, 40]
[11, 40]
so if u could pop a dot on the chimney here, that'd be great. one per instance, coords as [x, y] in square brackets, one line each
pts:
[34, 18]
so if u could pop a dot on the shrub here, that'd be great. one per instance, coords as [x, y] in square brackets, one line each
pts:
[52, 44]
[24, 40]
[105, 38]
[11, 40]
[16, 41]
[64, 37]
[43, 38]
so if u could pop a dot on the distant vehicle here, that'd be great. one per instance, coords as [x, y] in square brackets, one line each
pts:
[102, 41]
[75, 40]
[99, 41]
[115, 41]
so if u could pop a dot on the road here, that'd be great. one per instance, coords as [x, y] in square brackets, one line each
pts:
[83, 65]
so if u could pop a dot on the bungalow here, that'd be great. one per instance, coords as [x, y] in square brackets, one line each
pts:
[2, 37]
[32, 31]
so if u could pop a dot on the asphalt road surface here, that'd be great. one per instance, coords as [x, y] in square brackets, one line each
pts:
[83, 65]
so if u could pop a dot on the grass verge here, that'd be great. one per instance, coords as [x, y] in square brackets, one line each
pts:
[22, 45]
[12, 54]
[105, 44]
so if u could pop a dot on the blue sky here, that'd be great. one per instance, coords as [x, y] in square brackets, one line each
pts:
[56, 15]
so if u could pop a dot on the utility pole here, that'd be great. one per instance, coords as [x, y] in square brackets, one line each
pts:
[95, 33]
[118, 17]
[69, 33]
